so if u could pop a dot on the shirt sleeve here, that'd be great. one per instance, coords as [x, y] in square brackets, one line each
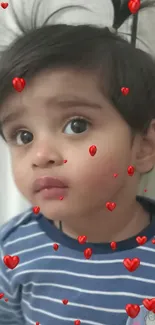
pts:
[10, 311]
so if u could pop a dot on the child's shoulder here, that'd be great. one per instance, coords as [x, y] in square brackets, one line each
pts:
[11, 228]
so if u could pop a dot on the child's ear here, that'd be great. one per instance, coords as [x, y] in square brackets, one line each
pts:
[145, 156]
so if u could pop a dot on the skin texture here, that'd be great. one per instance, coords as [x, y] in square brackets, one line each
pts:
[90, 179]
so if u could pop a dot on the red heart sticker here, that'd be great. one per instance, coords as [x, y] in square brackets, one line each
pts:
[132, 310]
[65, 161]
[4, 5]
[88, 253]
[1, 295]
[134, 6]
[115, 175]
[11, 261]
[37, 323]
[125, 91]
[153, 241]
[92, 150]
[113, 245]
[131, 170]
[131, 264]
[149, 304]
[55, 246]
[141, 240]
[82, 239]
[110, 206]
[36, 210]
[18, 84]
[65, 301]
[77, 322]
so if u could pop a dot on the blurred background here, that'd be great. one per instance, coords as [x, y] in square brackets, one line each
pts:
[98, 12]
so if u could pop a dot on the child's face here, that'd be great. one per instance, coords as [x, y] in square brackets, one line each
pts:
[43, 111]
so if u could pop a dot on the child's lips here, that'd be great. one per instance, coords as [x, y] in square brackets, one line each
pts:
[49, 187]
[47, 183]
[53, 193]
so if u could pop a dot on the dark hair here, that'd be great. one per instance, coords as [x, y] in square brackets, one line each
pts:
[89, 48]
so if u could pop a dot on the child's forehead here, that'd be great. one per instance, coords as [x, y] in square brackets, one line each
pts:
[63, 80]
[59, 88]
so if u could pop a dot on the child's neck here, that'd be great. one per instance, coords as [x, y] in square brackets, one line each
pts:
[112, 228]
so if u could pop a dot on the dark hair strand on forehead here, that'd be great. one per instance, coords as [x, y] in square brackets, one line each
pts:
[96, 50]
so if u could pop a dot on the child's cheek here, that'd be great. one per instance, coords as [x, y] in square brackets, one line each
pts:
[99, 172]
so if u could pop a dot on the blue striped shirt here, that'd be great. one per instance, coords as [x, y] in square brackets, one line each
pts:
[97, 289]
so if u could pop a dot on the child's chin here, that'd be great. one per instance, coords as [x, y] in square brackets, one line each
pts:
[53, 209]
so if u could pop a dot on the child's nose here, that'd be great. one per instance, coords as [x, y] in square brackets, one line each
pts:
[45, 154]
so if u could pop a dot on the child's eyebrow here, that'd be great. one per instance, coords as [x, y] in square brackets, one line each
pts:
[71, 101]
[11, 117]
[61, 101]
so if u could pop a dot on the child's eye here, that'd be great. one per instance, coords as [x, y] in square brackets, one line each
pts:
[23, 137]
[77, 125]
